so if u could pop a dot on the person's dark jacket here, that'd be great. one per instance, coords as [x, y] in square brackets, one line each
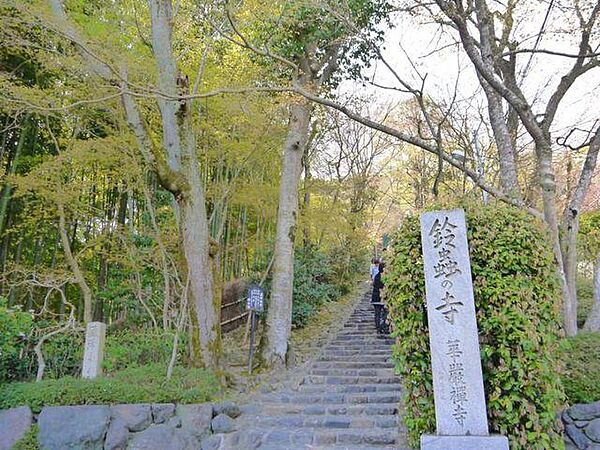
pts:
[377, 286]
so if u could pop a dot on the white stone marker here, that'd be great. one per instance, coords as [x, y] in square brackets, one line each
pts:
[93, 352]
[460, 410]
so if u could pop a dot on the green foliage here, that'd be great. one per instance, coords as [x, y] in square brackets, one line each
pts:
[15, 326]
[313, 284]
[581, 377]
[29, 441]
[589, 235]
[321, 277]
[63, 353]
[585, 299]
[145, 384]
[517, 314]
[137, 348]
[298, 28]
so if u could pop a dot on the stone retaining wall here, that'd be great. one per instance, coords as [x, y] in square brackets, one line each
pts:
[582, 427]
[118, 427]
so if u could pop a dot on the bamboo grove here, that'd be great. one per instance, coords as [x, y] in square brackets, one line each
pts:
[91, 225]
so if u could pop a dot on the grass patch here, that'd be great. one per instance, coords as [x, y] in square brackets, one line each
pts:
[145, 384]
[581, 376]
[29, 441]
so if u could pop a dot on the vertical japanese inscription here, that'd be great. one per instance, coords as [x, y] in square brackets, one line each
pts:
[442, 238]
[457, 378]
[93, 352]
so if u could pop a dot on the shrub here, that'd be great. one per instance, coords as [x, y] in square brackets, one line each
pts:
[581, 377]
[136, 348]
[517, 313]
[314, 284]
[585, 299]
[63, 353]
[135, 385]
[15, 326]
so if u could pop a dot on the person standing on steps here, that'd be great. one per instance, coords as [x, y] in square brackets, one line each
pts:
[380, 309]
[374, 268]
[377, 284]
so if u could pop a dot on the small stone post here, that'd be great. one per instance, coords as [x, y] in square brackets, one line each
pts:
[93, 352]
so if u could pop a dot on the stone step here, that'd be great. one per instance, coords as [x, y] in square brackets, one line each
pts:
[350, 399]
[356, 358]
[363, 348]
[352, 365]
[360, 343]
[350, 380]
[357, 351]
[350, 388]
[370, 338]
[354, 372]
[350, 353]
[323, 421]
[368, 409]
[277, 438]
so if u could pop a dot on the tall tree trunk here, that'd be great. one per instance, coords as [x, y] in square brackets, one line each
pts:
[571, 217]
[504, 143]
[548, 185]
[279, 317]
[506, 154]
[102, 280]
[185, 182]
[14, 291]
[306, 200]
[12, 167]
[196, 246]
[592, 323]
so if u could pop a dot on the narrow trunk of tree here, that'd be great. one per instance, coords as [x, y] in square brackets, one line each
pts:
[279, 318]
[548, 185]
[102, 280]
[506, 154]
[592, 323]
[504, 143]
[571, 217]
[85, 289]
[12, 167]
[306, 201]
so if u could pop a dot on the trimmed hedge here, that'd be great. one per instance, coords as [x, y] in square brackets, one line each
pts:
[134, 385]
[518, 313]
[581, 377]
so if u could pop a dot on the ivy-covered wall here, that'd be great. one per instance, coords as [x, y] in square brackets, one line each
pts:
[518, 313]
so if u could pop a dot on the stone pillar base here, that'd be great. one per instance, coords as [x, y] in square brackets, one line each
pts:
[433, 442]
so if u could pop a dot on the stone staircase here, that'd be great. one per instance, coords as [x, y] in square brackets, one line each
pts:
[347, 398]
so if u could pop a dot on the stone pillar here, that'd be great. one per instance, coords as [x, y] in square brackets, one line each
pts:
[93, 352]
[460, 409]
